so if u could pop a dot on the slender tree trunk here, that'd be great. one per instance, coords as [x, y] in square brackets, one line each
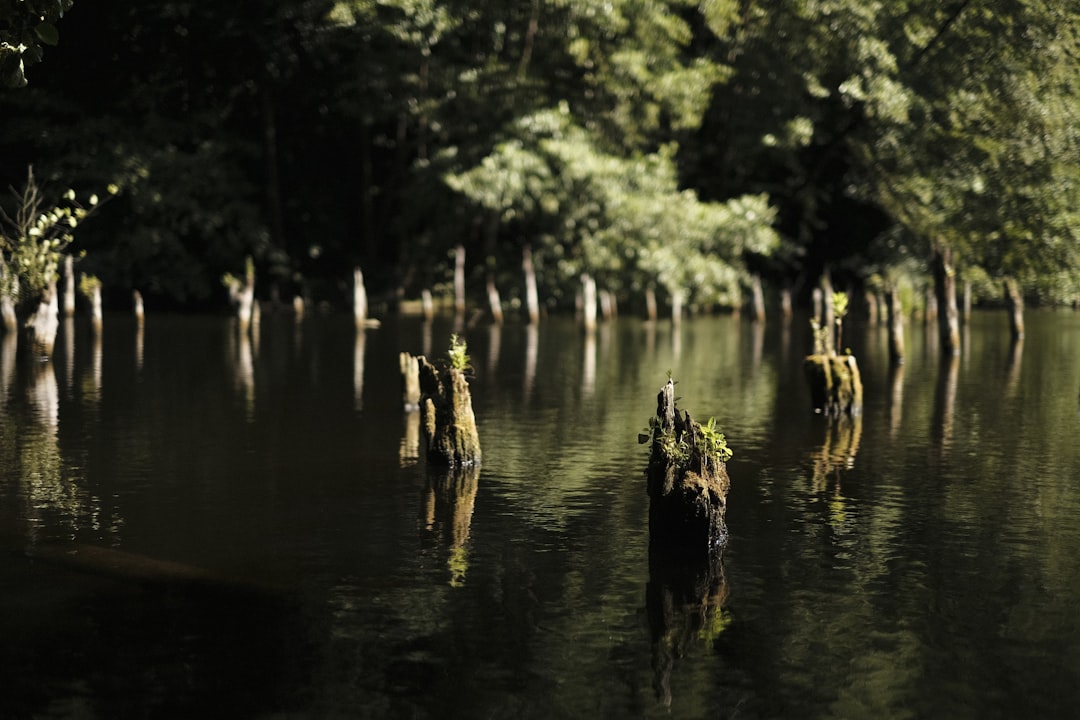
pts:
[828, 319]
[945, 291]
[1014, 300]
[360, 306]
[137, 305]
[757, 299]
[896, 325]
[871, 308]
[69, 286]
[785, 302]
[96, 318]
[650, 303]
[427, 304]
[676, 306]
[494, 301]
[588, 301]
[967, 302]
[459, 279]
[532, 297]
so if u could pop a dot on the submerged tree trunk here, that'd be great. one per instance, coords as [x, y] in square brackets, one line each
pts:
[137, 305]
[835, 384]
[650, 303]
[44, 323]
[494, 301]
[410, 380]
[757, 299]
[588, 301]
[69, 286]
[459, 279]
[96, 317]
[7, 299]
[447, 416]
[896, 326]
[945, 291]
[966, 306]
[360, 305]
[676, 306]
[532, 296]
[1014, 301]
[687, 479]
[785, 302]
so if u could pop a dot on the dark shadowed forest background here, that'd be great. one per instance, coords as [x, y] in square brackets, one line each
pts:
[686, 152]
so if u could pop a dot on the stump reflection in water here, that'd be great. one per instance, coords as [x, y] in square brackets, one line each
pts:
[447, 509]
[685, 600]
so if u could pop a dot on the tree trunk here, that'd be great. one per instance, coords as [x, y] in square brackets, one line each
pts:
[785, 302]
[828, 313]
[427, 304]
[137, 305]
[359, 298]
[459, 279]
[650, 303]
[44, 323]
[7, 299]
[967, 302]
[410, 378]
[494, 301]
[532, 296]
[69, 286]
[757, 299]
[896, 326]
[871, 308]
[96, 318]
[588, 301]
[945, 291]
[1014, 301]
[676, 306]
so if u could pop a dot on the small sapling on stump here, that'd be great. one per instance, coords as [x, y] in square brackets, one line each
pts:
[687, 478]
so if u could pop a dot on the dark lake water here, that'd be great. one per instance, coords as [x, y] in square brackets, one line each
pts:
[191, 525]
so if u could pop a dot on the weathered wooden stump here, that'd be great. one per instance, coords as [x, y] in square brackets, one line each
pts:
[687, 478]
[410, 380]
[835, 383]
[447, 416]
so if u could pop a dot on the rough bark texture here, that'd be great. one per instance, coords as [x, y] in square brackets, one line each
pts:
[447, 416]
[835, 384]
[410, 379]
[687, 485]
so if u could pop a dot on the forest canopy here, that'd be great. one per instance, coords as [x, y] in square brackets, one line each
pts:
[692, 148]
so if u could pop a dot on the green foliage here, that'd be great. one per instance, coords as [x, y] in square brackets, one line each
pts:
[26, 25]
[714, 443]
[89, 285]
[35, 234]
[458, 354]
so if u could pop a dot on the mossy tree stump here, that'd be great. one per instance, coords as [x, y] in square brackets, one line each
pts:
[687, 478]
[447, 416]
[835, 383]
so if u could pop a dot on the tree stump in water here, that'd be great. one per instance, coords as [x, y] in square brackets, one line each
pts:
[835, 384]
[447, 416]
[687, 478]
[410, 379]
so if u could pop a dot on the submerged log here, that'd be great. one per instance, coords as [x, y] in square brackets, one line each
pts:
[447, 416]
[835, 383]
[687, 478]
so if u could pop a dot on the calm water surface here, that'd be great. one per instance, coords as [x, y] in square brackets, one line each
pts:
[194, 524]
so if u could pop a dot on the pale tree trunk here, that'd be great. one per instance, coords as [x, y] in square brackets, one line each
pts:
[45, 322]
[896, 326]
[757, 299]
[945, 290]
[427, 304]
[7, 302]
[532, 297]
[137, 304]
[871, 307]
[828, 315]
[785, 302]
[607, 304]
[931, 305]
[69, 286]
[1014, 301]
[298, 307]
[96, 318]
[588, 301]
[676, 306]
[459, 279]
[494, 301]
[245, 296]
[967, 302]
[650, 303]
[359, 298]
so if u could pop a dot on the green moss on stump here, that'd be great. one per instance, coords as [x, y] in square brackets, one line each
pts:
[447, 416]
[835, 384]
